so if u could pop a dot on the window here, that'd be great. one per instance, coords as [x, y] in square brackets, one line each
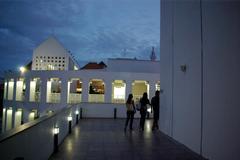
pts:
[59, 61]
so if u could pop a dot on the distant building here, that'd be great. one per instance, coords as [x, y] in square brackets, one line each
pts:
[56, 81]
[51, 55]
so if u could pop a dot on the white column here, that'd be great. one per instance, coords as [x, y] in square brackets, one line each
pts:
[128, 88]
[13, 116]
[152, 89]
[64, 91]
[108, 91]
[85, 90]
[27, 90]
[43, 90]
[14, 88]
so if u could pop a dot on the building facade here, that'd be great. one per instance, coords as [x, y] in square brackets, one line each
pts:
[32, 94]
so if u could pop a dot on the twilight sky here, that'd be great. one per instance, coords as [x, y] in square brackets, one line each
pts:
[92, 30]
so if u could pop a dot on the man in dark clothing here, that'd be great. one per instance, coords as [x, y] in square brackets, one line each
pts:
[143, 110]
[155, 106]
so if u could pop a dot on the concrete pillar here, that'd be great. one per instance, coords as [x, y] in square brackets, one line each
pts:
[64, 91]
[128, 88]
[27, 91]
[43, 90]
[108, 91]
[13, 116]
[14, 88]
[85, 87]
[152, 89]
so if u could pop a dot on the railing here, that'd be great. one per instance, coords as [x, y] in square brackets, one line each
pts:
[20, 97]
[118, 100]
[96, 98]
[54, 97]
[37, 97]
[34, 134]
[74, 98]
[137, 97]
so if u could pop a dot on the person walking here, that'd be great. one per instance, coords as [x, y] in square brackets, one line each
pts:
[130, 112]
[155, 102]
[143, 110]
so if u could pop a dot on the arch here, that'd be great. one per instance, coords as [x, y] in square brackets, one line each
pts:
[96, 92]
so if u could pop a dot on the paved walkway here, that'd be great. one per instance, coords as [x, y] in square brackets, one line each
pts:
[105, 139]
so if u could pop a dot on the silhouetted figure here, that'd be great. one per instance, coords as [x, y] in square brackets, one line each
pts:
[155, 106]
[91, 90]
[143, 110]
[130, 111]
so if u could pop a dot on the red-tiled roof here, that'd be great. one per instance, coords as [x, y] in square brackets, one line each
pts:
[94, 65]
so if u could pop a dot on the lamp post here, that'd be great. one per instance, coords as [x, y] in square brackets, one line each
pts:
[69, 124]
[77, 114]
[55, 139]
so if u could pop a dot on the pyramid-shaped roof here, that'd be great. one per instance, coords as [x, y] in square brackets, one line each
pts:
[51, 46]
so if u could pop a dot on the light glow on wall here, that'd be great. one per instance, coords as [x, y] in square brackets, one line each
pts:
[77, 112]
[119, 92]
[31, 116]
[55, 130]
[9, 119]
[22, 69]
[69, 118]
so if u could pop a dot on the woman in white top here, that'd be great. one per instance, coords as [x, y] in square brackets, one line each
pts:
[130, 111]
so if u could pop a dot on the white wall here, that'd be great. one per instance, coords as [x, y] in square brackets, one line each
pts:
[221, 112]
[200, 108]
[131, 65]
[34, 140]
[104, 110]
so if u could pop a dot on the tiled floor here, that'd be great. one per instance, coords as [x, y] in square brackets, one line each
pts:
[105, 139]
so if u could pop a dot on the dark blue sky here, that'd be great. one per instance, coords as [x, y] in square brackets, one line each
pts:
[92, 30]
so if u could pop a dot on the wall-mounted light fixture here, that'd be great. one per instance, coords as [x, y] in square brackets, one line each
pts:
[55, 130]
[77, 115]
[69, 118]
[55, 139]
[183, 67]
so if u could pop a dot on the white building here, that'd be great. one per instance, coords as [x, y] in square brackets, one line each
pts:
[51, 55]
[98, 92]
